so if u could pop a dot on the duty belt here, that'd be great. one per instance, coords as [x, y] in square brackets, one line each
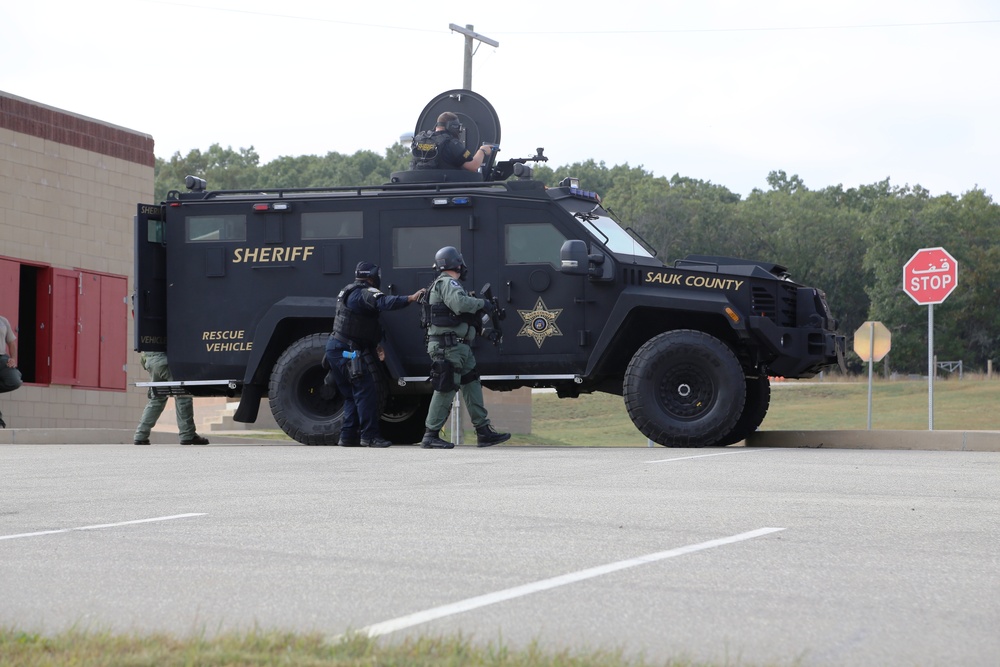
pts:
[450, 339]
[351, 345]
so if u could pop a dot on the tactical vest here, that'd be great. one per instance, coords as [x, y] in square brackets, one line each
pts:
[426, 150]
[440, 315]
[360, 327]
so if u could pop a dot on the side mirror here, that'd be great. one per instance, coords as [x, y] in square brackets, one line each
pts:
[574, 260]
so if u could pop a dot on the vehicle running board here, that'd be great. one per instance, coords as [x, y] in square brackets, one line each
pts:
[181, 388]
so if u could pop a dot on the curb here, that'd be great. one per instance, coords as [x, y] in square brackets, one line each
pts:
[107, 436]
[945, 441]
[952, 441]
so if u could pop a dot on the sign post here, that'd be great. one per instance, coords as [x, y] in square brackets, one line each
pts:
[929, 277]
[872, 342]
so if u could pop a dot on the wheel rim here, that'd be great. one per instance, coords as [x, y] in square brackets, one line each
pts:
[685, 393]
[399, 409]
[309, 395]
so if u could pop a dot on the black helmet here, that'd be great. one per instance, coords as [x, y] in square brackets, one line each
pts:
[369, 271]
[449, 258]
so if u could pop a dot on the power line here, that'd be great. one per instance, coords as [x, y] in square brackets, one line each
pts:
[765, 29]
[291, 16]
[671, 31]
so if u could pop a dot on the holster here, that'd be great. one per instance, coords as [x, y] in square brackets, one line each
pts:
[447, 339]
[443, 375]
[356, 366]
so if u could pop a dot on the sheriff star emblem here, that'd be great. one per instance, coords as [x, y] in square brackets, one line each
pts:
[539, 323]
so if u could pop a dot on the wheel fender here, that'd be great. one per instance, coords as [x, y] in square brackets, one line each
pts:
[291, 307]
[710, 304]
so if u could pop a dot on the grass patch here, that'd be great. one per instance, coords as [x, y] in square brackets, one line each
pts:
[841, 404]
[600, 420]
[261, 648]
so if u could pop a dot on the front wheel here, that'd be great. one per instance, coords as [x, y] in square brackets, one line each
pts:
[754, 411]
[305, 409]
[684, 389]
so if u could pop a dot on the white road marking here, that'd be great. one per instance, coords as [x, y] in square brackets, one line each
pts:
[545, 584]
[101, 525]
[701, 456]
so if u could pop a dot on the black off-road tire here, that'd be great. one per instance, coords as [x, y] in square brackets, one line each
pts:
[305, 409]
[684, 388]
[754, 410]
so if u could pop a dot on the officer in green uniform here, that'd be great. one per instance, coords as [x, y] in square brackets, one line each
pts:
[453, 315]
[159, 371]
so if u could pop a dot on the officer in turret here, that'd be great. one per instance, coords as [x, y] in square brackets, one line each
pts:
[453, 316]
[443, 149]
[356, 336]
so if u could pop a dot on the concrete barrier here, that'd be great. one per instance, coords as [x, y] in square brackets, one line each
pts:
[111, 436]
[954, 441]
[957, 441]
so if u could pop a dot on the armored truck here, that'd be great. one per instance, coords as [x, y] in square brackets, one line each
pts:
[239, 289]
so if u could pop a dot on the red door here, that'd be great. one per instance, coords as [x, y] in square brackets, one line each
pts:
[114, 332]
[10, 287]
[64, 325]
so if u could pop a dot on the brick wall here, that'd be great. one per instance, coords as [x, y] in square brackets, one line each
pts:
[68, 190]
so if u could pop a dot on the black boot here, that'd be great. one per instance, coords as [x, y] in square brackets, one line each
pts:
[486, 436]
[432, 440]
[349, 440]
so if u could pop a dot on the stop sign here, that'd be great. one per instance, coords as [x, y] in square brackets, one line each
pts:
[930, 276]
[872, 341]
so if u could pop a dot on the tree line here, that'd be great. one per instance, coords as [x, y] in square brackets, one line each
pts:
[851, 243]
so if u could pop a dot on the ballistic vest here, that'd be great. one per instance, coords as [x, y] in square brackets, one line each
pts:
[426, 150]
[360, 327]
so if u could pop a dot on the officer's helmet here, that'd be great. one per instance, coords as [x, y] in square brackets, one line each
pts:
[449, 258]
[369, 271]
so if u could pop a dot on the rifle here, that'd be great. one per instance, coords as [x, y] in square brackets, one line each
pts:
[490, 328]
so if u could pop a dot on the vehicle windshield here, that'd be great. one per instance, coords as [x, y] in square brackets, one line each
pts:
[608, 231]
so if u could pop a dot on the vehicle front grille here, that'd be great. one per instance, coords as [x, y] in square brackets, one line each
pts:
[776, 302]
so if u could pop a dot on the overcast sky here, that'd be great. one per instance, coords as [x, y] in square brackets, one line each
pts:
[848, 92]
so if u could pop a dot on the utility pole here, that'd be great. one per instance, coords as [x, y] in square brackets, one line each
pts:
[470, 35]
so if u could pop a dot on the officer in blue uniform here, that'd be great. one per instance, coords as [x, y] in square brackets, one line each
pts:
[357, 332]
[442, 148]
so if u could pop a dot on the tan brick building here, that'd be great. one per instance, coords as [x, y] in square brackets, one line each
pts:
[68, 190]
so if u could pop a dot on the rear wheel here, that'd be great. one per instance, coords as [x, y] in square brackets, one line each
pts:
[305, 409]
[403, 418]
[684, 389]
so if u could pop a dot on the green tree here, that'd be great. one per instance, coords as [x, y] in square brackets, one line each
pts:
[222, 168]
[817, 236]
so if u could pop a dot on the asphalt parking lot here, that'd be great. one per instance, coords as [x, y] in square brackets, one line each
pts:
[828, 557]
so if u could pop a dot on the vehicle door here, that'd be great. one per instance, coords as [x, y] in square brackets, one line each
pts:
[149, 300]
[545, 329]
[410, 236]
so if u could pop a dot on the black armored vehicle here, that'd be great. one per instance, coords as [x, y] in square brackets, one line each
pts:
[239, 288]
